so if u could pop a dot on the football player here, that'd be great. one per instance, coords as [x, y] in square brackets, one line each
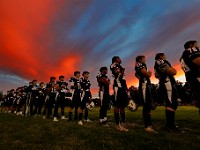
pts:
[120, 92]
[19, 101]
[165, 73]
[52, 90]
[190, 62]
[60, 98]
[104, 95]
[33, 95]
[8, 101]
[143, 74]
[41, 98]
[27, 100]
[86, 95]
[14, 103]
[76, 97]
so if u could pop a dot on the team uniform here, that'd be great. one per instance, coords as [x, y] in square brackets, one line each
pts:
[41, 100]
[60, 100]
[192, 71]
[168, 91]
[166, 83]
[119, 87]
[145, 93]
[85, 96]
[8, 101]
[19, 103]
[14, 103]
[33, 97]
[27, 100]
[104, 96]
[24, 91]
[76, 96]
[120, 94]
[52, 94]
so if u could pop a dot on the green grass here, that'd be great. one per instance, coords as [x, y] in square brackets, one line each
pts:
[17, 132]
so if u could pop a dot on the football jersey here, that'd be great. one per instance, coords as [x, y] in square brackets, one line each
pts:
[160, 68]
[11, 97]
[63, 86]
[75, 84]
[117, 66]
[119, 81]
[139, 74]
[41, 91]
[85, 84]
[34, 90]
[51, 87]
[62, 83]
[191, 70]
[102, 86]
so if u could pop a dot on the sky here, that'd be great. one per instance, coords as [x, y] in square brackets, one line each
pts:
[43, 38]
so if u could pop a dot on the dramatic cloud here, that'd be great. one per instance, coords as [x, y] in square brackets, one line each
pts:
[44, 38]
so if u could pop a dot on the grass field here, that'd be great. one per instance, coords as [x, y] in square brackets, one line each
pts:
[17, 132]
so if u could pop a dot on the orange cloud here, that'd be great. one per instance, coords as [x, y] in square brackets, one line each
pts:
[26, 40]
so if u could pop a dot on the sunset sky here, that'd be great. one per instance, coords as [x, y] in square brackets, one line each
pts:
[43, 38]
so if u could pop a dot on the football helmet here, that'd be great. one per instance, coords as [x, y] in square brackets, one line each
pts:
[132, 106]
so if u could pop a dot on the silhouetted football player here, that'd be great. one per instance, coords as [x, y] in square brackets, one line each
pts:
[190, 62]
[41, 98]
[143, 74]
[104, 94]
[120, 91]
[86, 95]
[60, 98]
[165, 73]
[8, 101]
[52, 90]
[19, 101]
[33, 95]
[76, 98]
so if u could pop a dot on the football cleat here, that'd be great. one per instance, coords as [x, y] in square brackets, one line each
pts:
[55, 119]
[88, 120]
[80, 123]
[150, 130]
[63, 118]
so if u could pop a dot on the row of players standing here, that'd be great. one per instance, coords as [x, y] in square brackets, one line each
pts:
[79, 96]
[30, 100]
[163, 71]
